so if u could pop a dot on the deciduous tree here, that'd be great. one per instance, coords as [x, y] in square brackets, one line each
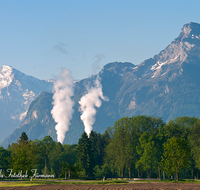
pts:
[176, 156]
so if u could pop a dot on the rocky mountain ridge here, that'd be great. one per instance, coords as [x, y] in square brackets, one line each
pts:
[17, 91]
[166, 86]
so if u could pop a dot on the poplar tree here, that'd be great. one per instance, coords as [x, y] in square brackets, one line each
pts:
[148, 154]
[117, 148]
[194, 141]
[176, 156]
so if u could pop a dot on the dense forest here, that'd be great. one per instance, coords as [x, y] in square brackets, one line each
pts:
[141, 146]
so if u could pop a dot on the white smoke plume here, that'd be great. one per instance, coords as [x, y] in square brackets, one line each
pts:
[62, 104]
[88, 103]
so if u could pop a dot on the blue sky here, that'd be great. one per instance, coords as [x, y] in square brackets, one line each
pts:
[40, 37]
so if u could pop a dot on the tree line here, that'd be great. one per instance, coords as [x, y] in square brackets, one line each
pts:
[140, 146]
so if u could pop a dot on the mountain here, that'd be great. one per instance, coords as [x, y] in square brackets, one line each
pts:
[40, 119]
[17, 91]
[39, 123]
[166, 85]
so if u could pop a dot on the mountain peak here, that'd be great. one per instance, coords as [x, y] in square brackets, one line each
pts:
[6, 76]
[190, 29]
[191, 26]
[5, 70]
[182, 49]
[118, 67]
[166, 86]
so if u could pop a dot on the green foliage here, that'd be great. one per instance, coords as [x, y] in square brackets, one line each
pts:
[70, 151]
[126, 136]
[194, 140]
[45, 171]
[23, 138]
[179, 127]
[4, 158]
[44, 155]
[98, 145]
[176, 156]
[69, 170]
[103, 171]
[23, 155]
[52, 172]
[135, 146]
[149, 147]
[85, 155]
[148, 154]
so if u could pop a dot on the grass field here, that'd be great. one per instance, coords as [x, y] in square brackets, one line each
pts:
[26, 183]
[46, 182]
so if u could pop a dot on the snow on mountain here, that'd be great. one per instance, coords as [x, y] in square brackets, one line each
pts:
[17, 91]
[166, 86]
[6, 76]
[173, 56]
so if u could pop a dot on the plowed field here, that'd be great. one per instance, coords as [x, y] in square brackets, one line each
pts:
[132, 186]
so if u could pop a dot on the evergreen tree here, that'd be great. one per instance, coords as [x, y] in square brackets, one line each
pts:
[98, 147]
[70, 153]
[85, 155]
[4, 158]
[23, 138]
